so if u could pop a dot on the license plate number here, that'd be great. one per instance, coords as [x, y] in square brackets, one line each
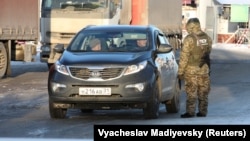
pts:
[94, 91]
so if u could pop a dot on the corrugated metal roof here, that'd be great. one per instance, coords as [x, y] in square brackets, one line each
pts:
[245, 2]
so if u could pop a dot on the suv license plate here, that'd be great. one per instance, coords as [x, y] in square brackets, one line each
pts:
[94, 91]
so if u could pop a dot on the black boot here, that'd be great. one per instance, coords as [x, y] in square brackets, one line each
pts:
[186, 115]
[201, 114]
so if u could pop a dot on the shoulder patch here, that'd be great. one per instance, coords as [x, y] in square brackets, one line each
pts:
[202, 42]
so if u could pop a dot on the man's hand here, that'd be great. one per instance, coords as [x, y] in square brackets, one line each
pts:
[181, 76]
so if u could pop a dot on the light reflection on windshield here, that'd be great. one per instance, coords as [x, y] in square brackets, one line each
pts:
[110, 42]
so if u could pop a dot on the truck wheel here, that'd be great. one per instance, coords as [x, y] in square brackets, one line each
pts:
[173, 106]
[57, 113]
[3, 60]
[151, 111]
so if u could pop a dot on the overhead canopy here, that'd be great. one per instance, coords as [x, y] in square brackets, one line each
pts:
[244, 2]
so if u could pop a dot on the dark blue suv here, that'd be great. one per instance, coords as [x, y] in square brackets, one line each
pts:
[115, 67]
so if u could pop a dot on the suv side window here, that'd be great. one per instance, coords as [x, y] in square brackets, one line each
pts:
[162, 39]
[157, 41]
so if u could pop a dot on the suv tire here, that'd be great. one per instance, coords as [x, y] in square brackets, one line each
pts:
[59, 113]
[151, 111]
[173, 106]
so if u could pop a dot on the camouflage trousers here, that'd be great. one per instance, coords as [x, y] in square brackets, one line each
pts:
[197, 88]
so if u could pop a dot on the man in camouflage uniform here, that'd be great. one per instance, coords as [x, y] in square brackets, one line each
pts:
[194, 68]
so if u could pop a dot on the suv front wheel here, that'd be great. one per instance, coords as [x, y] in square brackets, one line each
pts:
[56, 112]
[151, 111]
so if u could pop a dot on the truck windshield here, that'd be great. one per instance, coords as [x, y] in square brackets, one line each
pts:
[74, 4]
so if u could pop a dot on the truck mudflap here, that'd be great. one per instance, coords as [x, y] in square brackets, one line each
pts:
[29, 52]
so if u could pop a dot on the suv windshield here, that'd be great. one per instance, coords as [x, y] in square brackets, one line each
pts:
[110, 41]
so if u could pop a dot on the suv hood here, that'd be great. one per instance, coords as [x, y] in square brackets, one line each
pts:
[75, 58]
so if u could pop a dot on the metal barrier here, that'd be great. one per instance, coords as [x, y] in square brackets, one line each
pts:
[242, 36]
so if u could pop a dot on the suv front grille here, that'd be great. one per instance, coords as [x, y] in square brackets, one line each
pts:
[87, 73]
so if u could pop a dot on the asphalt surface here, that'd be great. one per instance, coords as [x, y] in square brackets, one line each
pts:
[24, 101]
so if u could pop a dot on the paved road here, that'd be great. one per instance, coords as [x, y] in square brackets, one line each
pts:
[24, 101]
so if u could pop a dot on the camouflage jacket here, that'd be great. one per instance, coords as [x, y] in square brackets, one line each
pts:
[190, 51]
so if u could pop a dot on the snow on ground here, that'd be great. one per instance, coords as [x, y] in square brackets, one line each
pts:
[237, 47]
[223, 53]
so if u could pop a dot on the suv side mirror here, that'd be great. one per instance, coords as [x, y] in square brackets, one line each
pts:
[59, 48]
[164, 48]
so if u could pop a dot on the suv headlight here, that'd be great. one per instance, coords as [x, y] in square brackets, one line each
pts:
[61, 68]
[135, 68]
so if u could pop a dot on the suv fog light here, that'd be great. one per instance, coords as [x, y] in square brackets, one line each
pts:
[56, 87]
[138, 86]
